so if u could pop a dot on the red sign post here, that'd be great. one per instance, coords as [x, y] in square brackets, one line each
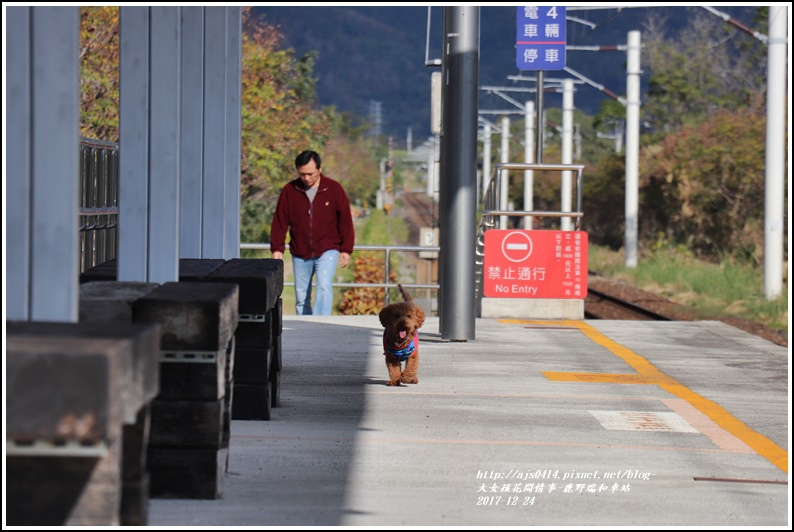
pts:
[544, 264]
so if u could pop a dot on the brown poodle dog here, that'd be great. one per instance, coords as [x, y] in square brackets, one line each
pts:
[400, 338]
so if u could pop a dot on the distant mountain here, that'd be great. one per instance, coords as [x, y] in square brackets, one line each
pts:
[377, 53]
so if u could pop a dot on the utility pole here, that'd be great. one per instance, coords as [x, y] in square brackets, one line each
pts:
[458, 198]
[375, 117]
[486, 158]
[389, 185]
[381, 196]
[567, 150]
[504, 178]
[632, 147]
[529, 175]
[775, 153]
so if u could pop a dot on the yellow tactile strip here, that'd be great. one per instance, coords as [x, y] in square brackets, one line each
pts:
[647, 373]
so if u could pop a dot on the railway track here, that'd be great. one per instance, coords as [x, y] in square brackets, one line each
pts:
[616, 301]
[418, 211]
[607, 300]
[601, 305]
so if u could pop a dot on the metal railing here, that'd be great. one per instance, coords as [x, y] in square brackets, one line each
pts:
[99, 200]
[387, 269]
[99, 212]
[491, 211]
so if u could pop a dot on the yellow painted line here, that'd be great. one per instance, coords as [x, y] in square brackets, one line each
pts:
[649, 374]
[612, 378]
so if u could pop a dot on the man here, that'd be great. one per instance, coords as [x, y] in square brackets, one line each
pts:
[316, 211]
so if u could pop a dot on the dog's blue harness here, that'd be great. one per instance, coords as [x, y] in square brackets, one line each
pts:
[403, 353]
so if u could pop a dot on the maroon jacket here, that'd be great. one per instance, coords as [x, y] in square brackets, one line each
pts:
[315, 227]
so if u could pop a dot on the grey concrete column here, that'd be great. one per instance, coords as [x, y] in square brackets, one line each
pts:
[18, 163]
[149, 138]
[210, 126]
[459, 172]
[234, 67]
[133, 143]
[214, 200]
[164, 144]
[192, 131]
[43, 167]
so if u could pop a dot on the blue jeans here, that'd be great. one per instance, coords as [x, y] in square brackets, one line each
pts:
[323, 268]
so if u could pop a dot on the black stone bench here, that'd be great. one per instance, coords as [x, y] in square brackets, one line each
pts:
[72, 389]
[188, 450]
[240, 381]
[257, 368]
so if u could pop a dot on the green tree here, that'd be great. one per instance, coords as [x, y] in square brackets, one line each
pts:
[278, 121]
[607, 123]
[704, 185]
[706, 67]
[604, 195]
[352, 163]
[99, 73]
[279, 113]
[280, 118]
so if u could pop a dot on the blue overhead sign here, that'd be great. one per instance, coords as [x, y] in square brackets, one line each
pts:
[540, 37]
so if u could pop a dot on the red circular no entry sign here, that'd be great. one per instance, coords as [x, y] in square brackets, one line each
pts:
[517, 246]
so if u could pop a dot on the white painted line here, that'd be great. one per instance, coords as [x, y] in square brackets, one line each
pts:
[642, 421]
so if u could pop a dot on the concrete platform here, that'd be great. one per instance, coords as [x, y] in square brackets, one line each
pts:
[534, 423]
[549, 309]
